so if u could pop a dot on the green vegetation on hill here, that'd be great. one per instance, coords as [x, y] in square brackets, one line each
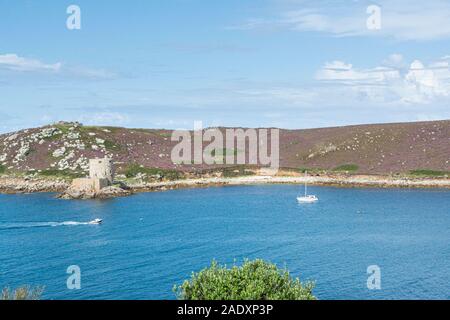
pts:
[22, 293]
[224, 152]
[67, 174]
[134, 170]
[429, 173]
[64, 128]
[318, 151]
[221, 154]
[254, 280]
[311, 170]
[97, 129]
[347, 167]
[165, 134]
[2, 169]
[109, 145]
[236, 171]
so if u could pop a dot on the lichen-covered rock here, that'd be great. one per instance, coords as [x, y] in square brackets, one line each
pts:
[73, 135]
[59, 152]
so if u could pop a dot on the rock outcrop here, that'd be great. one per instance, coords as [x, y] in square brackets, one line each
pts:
[105, 193]
[25, 185]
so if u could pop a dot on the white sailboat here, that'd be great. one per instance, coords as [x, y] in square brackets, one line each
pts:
[307, 198]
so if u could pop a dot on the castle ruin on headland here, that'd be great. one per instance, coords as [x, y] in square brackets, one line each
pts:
[99, 184]
[101, 175]
[101, 169]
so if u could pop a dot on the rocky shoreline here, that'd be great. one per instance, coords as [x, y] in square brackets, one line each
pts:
[31, 185]
[338, 181]
[20, 185]
[105, 193]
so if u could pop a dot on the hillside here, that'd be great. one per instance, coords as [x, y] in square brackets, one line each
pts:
[64, 149]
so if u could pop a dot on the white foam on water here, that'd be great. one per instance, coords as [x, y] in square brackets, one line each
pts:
[23, 225]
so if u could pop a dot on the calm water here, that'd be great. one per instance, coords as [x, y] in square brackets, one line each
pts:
[151, 241]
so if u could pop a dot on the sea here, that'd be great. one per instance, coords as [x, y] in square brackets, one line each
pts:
[354, 243]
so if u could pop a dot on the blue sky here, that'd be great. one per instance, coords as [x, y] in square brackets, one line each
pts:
[166, 64]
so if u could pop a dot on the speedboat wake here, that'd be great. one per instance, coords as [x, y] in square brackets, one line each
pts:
[24, 225]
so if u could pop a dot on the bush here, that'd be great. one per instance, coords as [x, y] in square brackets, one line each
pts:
[61, 174]
[237, 171]
[109, 145]
[429, 173]
[2, 169]
[168, 174]
[311, 170]
[347, 167]
[254, 280]
[22, 293]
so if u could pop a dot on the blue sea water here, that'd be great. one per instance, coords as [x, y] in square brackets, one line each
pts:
[151, 241]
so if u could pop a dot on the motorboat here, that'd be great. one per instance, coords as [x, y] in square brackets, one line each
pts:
[96, 221]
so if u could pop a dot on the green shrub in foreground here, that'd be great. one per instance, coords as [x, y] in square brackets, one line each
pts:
[22, 293]
[2, 169]
[254, 280]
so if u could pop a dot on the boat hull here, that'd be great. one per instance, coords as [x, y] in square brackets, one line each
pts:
[307, 199]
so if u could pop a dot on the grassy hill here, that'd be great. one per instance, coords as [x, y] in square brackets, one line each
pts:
[63, 149]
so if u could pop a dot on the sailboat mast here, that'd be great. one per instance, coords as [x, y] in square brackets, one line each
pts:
[306, 184]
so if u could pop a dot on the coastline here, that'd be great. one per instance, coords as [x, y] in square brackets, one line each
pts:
[328, 180]
[14, 185]
[22, 185]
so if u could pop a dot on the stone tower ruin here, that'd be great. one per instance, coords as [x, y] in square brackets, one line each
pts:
[101, 169]
[101, 175]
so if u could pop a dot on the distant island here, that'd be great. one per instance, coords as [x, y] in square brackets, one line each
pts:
[400, 154]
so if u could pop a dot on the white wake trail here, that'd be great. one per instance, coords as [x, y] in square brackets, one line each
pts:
[24, 225]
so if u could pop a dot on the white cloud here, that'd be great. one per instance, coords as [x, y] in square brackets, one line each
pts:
[338, 71]
[413, 84]
[16, 63]
[12, 61]
[400, 19]
[395, 60]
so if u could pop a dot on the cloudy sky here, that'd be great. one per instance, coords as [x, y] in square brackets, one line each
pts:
[166, 64]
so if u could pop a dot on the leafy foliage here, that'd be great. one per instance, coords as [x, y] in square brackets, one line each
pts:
[22, 293]
[2, 169]
[254, 280]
